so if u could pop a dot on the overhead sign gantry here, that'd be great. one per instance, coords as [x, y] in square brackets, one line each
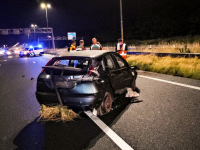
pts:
[18, 31]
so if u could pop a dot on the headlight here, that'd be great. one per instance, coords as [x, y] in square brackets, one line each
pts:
[8, 53]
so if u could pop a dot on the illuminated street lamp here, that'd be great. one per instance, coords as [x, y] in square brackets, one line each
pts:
[46, 6]
[34, 26]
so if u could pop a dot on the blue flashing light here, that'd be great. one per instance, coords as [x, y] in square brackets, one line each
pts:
[30, 46]
[40, 45]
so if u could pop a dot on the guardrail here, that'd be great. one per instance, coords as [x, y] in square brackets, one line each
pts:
[186, 55]
[55, 51]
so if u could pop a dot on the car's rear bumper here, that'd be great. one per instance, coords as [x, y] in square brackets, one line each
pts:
[78, 102]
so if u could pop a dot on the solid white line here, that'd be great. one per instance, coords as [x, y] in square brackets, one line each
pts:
[174, 83]
[121, 143]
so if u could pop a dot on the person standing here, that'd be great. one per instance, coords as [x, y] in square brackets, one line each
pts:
[81, 46]
[73, 46]
[121, 48]
[94, 45]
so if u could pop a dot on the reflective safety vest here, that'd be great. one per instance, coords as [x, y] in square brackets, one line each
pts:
[72, 48]
[119, 48]
[122, 50]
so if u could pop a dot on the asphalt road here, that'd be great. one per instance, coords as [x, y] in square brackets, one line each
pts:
[167, 118]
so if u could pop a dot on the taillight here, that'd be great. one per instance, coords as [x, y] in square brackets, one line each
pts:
[47, 65]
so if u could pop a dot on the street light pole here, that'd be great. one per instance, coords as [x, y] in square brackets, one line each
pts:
[47, 18]
[46, 6]
[121, 15]
[53, 42]
[34, 26]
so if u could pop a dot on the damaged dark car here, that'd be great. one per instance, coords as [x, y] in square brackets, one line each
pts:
[86, 80]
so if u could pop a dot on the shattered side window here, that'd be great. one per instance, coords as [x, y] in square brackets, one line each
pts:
[120, 61]
[109, 62]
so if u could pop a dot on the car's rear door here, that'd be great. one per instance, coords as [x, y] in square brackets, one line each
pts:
[112, 72]
[124, 70]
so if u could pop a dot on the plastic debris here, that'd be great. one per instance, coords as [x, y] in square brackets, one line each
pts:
[131, 93]
[94, 112]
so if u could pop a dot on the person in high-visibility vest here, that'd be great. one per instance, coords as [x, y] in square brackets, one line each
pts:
[94, 45]
[121, 48]
[73, 46]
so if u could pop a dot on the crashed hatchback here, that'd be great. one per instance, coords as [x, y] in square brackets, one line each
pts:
[85, 80]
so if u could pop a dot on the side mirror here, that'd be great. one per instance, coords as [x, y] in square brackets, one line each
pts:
[135, 68]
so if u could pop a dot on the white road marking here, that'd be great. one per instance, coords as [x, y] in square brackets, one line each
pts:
[118, 141]
[171, 82]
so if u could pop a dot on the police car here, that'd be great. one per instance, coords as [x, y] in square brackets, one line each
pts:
[32, 51]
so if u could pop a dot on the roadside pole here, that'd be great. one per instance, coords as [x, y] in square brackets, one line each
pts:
[121, 15]
[53, 42]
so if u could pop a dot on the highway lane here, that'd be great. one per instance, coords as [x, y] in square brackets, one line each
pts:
[167, 118]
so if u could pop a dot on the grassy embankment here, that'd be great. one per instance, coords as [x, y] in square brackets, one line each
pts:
[167, 45]
[174, 48]
[183, 67]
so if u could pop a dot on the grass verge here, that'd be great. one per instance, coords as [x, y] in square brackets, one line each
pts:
[183, 67]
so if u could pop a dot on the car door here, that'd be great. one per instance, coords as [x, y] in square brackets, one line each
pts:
[124, 70]
[112, 72]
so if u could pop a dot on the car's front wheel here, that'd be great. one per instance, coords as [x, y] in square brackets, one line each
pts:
[40, 54]
[106, 105]
[28, 55]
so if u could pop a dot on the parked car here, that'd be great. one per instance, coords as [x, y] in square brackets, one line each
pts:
[85, 80]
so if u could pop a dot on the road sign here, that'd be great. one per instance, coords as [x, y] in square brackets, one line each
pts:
[71, 35]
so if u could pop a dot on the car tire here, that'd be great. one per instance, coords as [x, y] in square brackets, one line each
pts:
[40, 54]
[28, 55]
[106, 105]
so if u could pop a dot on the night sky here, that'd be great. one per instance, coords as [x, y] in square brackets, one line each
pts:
[143, 19]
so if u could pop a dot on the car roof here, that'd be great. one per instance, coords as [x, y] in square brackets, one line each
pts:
[86, 53]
